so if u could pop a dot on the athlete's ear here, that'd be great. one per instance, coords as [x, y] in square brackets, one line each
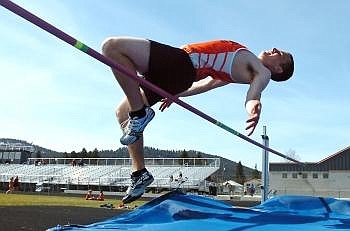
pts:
[277, 69]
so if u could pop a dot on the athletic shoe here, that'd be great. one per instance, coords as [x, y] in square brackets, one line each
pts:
[137, 187]
[135, 126]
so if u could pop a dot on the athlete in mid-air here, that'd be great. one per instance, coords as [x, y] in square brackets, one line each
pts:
[189, 70]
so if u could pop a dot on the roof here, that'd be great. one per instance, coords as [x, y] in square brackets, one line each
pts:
[347, 149]
[253, 180]
[231, 182]
[337, 161]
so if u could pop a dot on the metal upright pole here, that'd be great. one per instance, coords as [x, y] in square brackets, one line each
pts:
[265, 168]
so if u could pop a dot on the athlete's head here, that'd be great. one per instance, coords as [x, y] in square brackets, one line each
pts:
[280, 63]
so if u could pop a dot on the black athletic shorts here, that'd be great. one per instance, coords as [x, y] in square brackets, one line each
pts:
[169, 68]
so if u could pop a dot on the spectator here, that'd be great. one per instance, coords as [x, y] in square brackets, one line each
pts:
[16, 183]
[251, 189]
[101, 197]
[171, 179]
[180, 179]
[89, 195]
[81, 162]
[11, 188]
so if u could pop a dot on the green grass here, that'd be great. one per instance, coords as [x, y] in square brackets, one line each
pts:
[46, 200]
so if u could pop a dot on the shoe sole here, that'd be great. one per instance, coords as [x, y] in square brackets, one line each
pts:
[134, 198]
[131, 199]
[132, 141]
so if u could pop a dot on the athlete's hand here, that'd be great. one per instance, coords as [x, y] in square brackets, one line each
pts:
[165, 104]
[254, 110]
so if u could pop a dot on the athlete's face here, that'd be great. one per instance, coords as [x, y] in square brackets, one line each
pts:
[274, 58]
[274, 54]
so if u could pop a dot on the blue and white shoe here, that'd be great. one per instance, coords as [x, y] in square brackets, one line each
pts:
[137, 187]
[135, 126]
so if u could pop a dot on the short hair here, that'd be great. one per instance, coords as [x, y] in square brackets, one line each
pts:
[288, 69]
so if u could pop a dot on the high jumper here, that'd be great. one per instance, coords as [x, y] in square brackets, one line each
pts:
[190, 70]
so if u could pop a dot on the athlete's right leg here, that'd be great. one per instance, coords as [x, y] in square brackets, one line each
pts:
[135, 149]
[140, 177]
[132, 53]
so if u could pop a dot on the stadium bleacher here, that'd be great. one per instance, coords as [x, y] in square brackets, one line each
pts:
[60, 171]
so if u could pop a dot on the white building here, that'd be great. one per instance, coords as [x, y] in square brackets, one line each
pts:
[329, 177]
[15, 153]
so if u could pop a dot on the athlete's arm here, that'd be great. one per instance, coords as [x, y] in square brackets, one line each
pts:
[253, 104]
[201, 86]
[253, 108]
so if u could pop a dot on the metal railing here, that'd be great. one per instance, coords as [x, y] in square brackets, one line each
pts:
[188, 162]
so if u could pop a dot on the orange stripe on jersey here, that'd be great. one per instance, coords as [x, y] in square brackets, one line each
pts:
[213, 58]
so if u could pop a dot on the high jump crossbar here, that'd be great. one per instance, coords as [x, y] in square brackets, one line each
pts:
[109, 62]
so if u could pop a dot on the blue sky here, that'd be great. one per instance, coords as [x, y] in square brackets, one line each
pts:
[57, 97]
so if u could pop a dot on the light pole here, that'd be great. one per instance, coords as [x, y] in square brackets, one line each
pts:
[265, 167]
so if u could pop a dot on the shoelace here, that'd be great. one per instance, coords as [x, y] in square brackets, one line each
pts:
[124, 124]
[127, 127]
[133, 182]
[133, 124]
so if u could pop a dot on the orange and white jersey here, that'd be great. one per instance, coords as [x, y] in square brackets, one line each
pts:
[213, 58]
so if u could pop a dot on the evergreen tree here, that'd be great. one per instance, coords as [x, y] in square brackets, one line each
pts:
[240, 177]
[38, 154]
[83, 152]
[183, 154]
[198, 160]
[66, 155]
[95, 153]
[73, 154]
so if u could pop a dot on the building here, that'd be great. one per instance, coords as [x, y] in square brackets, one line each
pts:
[329, 177]
[15, 153]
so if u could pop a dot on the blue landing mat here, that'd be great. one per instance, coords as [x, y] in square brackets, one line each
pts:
[177, 211]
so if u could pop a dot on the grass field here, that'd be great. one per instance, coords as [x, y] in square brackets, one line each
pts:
[46, 200]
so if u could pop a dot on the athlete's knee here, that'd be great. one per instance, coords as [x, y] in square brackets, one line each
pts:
[112, 45]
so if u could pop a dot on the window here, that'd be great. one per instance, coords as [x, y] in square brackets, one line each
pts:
[284, 175]
[17, 155]
[5, 155]
[11, 155]
[315, 175]
[304, 175]
[325, 175]
[295, 175]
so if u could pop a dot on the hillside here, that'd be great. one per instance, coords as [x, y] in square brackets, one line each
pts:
[48, 153]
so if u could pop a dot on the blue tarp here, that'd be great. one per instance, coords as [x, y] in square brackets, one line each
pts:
[178, 211]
